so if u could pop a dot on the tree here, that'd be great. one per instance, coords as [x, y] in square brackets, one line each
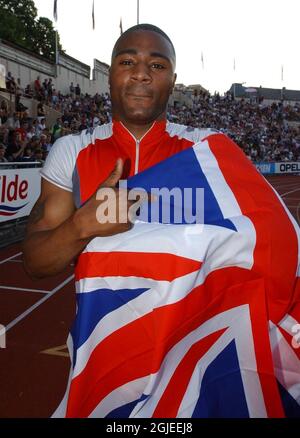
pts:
[18, 21]
[19, 24]
[9, 29]
[45, 38]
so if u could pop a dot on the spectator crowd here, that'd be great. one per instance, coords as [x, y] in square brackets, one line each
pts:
[264, 132]
[26, 138]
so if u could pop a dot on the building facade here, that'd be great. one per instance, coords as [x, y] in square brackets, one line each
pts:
[27, 65]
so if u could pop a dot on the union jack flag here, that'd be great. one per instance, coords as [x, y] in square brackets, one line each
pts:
[191, 320]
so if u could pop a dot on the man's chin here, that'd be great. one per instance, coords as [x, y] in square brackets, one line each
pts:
[140, 116]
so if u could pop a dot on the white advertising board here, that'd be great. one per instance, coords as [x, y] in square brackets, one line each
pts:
[19, 190]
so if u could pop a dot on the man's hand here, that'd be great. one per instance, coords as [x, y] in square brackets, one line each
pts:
[57, 232]
[93, 219]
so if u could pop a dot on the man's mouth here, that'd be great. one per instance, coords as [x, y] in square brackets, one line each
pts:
[138, 95]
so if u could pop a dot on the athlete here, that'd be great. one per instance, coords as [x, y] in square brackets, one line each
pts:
[171, 321]
[142, 77]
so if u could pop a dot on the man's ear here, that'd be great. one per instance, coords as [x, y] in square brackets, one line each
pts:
[173, 84]
[175, 77]
[109, 69]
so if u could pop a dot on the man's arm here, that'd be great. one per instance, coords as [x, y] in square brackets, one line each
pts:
[57, 232]
[52, 240]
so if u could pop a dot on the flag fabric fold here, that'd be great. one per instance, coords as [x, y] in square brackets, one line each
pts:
[192, 319]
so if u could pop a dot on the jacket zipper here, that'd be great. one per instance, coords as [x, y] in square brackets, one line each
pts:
[137, 147]
[137, 156]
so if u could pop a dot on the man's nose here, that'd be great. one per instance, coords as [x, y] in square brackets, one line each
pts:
[141, 72]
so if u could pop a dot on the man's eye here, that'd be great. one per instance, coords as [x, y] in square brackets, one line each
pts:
[157, 66]
[126, 62]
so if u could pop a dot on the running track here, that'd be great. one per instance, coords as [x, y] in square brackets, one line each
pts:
[38, 314]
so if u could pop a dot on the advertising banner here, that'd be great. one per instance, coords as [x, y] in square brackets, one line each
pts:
[265, 168]
[292, 167]
[19, 190]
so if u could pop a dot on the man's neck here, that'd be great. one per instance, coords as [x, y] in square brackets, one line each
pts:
[139, 130]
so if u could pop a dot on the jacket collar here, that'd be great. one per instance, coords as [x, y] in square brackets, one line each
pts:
[154, 133]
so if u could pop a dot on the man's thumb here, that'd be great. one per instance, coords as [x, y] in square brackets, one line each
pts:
[115, 175]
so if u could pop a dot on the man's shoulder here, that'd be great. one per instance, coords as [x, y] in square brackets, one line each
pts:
[84, 138]
[61, 161]
[189, 132]
[98, 131]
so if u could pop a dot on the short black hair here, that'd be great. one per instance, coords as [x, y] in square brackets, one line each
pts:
[143, 26]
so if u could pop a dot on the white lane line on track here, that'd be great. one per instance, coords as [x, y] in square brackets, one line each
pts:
[9, 258]
[22, 289]
[291, 191]
[37, 304]
[285, 189]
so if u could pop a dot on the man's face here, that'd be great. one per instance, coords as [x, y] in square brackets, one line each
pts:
[141, 77]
